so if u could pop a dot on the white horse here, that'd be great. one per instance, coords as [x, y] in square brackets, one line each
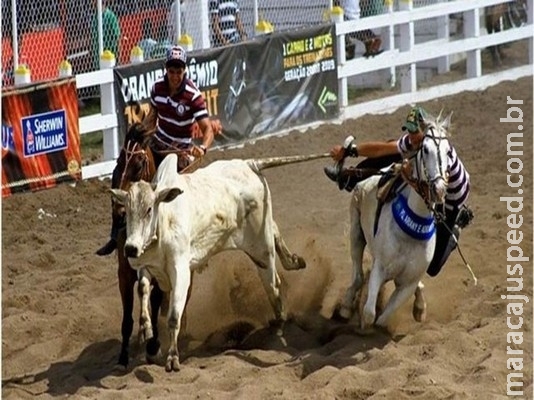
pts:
[402, 242]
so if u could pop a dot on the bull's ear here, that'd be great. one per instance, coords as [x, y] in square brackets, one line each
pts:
[118, 195]
[168, 194]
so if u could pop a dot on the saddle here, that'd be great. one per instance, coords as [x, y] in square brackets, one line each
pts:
[388, 186]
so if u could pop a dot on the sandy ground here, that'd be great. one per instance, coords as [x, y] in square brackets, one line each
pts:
[61, 309]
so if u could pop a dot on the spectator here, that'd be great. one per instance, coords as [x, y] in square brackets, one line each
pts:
[226, 24]
[373, 43]
[147, 43]
[110, 30]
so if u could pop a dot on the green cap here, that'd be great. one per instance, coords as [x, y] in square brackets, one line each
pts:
[414, 118]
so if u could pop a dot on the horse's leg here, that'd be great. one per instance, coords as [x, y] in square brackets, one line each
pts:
[376, 280]
[357, 246]
[153, 344]
[143, 291]
[419, 304]
[127, 278]
[398, 297]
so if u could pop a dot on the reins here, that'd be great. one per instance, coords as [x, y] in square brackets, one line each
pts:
[422, 188]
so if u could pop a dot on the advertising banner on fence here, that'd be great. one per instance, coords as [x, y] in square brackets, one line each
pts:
[40, 136]
[255, 88]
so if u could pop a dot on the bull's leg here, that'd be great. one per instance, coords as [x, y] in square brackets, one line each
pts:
[127, 278]
[376, 280]
[153, 344]
[357, 246]
[271, 283]
[180, 276]
[143, 291]
[419, 305]
[398, 297]
[290, 261]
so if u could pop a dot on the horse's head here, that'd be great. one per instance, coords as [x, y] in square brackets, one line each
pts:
[136, 161]
[431, 159]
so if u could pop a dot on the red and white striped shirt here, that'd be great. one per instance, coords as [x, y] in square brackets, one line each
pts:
[177, 113]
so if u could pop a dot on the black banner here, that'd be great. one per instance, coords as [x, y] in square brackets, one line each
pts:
[255, 88]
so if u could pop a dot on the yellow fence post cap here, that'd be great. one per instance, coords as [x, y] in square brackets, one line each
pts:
[186, 41]
[264, 26]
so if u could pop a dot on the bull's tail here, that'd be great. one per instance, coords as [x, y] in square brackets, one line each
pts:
[259, 164]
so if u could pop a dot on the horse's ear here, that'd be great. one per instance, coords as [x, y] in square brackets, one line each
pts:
[438, 119]
[447, 122]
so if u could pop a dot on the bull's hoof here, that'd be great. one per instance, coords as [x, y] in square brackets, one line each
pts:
[419, 314]
[173, 364]
[298, 262]
[339, 317]
[145, 334]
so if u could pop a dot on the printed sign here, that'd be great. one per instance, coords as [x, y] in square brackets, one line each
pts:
[255, 88]
[44, 133]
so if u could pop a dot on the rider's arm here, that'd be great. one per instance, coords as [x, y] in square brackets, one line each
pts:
[365, 149]
[377, 149]
[207, 132]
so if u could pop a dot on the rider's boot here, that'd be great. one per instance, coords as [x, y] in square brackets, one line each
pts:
[116, 224]
[465, 216]
[341, 176]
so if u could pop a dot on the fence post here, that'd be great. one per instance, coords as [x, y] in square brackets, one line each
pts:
[407, 40]
[107, 106]
[530, 21]
[389, 44]
[443, 33]
[337, 17]
[472, 29]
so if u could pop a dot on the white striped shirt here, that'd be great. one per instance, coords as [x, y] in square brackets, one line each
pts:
[458, 188]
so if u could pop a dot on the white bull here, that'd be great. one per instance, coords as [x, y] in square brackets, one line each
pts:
[178, 222]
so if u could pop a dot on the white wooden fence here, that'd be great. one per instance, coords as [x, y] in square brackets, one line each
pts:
[404, 57]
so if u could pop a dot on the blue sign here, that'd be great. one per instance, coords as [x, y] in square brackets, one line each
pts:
[44, 133]
[8, 143]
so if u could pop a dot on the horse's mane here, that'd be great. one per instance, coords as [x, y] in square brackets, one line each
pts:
[137, 133]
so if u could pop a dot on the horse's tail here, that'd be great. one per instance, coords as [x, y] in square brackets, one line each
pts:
[259, 164]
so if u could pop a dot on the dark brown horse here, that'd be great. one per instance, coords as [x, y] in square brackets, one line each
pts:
[135, 162]
[503, 16]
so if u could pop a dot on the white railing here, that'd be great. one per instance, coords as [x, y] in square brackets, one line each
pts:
[404, 57]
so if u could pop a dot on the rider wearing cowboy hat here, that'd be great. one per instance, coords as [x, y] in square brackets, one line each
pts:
[383, 154]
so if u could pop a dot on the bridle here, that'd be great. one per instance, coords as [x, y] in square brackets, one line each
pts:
[423, 183]
[131, 149]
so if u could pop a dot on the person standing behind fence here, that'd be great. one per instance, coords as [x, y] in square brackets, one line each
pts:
[110, 30]
[226, 24]
[352, 12]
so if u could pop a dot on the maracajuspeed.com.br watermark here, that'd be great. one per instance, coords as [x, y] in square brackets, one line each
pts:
[516, 300]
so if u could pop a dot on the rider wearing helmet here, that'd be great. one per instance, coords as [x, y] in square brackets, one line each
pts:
[383, 154]
[176, 106]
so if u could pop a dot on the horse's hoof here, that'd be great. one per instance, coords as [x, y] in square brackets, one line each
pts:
[419, 314]
[123, 360]
[173, 364]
